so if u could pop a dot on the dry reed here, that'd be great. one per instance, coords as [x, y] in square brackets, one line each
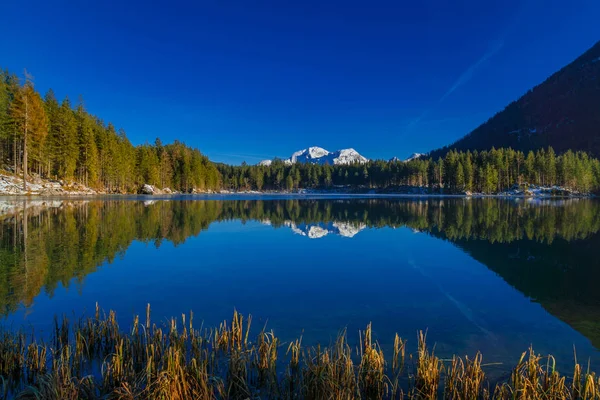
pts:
[93, 359]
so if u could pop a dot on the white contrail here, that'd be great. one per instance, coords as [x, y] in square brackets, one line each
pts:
[462, 79]
[468, 73]
[462, 308]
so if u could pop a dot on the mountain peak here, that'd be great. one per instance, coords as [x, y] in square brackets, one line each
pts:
[414, 156]
[318, 155]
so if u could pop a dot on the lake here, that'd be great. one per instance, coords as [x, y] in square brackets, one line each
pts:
[495, 275]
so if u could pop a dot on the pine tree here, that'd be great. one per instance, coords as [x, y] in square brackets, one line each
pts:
[297, 178]
[166, 170]
[65, 149]
[440, 172]
[550, 167]
[468, 171]
[53, 141]
[5, 117]
[328, 179]
[460, 176]
[10, 126]
[530, 167]
[28, 112]
[87, 163]
[491, 179]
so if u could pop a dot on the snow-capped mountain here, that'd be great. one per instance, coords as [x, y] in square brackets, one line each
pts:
[309, 155]
[414, 156]
[318, 155]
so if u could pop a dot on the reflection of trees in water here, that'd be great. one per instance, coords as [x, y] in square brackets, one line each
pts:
[488, 219]
[71, 239]
[59, 244]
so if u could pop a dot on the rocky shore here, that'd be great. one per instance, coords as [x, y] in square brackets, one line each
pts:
[11, 185]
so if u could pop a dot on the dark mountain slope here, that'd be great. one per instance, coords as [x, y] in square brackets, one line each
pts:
[562, 112]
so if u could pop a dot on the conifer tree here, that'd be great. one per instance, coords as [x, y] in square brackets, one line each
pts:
[460, 176]
[64, 141]
[87, 163]
[4, 116]
[27, 111]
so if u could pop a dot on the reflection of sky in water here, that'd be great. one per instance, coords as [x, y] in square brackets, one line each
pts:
[400, 280]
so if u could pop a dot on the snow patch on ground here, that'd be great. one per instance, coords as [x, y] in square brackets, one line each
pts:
[13, 185]
[527, 190]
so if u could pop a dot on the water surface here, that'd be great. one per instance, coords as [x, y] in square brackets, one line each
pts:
[479, 274]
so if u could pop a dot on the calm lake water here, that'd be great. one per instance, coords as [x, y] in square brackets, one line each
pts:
[478, 274]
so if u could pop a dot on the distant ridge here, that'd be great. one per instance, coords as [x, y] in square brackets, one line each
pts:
[562, 112]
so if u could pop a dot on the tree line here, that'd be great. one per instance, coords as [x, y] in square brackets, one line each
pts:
[54, 139]
[490, 171]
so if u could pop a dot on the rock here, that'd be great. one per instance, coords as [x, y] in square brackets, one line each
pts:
[149, 189]
[51, 192]
[468, 193]
[167, 191]
[146, 189]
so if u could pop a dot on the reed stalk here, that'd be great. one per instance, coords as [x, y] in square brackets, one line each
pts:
[94, 359]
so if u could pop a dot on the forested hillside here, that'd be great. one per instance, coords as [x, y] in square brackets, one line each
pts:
[562, 112]
[45, 137]
[484, 172]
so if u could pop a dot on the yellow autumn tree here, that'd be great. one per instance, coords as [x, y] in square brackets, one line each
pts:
[28, 112]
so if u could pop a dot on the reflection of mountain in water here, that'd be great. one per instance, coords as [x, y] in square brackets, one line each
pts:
[319, 230]
[547, 250]
[563, 276]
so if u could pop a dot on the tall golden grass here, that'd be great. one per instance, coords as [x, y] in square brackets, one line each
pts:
[93, 358]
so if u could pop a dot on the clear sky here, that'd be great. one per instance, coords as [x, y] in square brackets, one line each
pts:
[248, 80]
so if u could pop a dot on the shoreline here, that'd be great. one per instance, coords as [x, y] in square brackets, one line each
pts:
[83, 195]
[10, 187]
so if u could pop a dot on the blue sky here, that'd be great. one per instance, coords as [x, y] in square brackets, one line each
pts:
[247, 80]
